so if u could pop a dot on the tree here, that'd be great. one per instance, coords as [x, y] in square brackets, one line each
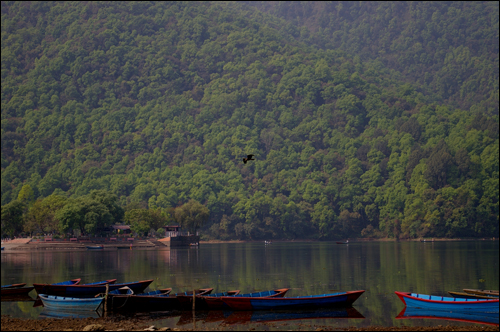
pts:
[191, 215]
[41, 216]
[12, 218]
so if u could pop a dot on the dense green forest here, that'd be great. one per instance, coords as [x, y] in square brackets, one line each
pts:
[373, 119]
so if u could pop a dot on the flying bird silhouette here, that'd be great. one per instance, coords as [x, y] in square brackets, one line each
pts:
[249, 157]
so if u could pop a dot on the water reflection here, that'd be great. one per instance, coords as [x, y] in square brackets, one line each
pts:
[228, 317]
[306, 268]
[278, 316]
[17, 298]
[488, 318]
[49, 313]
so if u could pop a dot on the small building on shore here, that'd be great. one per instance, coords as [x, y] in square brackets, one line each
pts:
[175, 237]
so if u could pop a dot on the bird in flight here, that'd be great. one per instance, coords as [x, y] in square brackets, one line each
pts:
[249, 157]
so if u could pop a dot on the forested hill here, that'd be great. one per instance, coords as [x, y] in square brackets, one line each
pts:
[158, 102]
[450, 49]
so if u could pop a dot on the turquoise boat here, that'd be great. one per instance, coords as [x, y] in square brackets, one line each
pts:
[71, 303]
[447, 303]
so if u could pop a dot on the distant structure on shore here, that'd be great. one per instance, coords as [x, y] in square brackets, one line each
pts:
[174, 237]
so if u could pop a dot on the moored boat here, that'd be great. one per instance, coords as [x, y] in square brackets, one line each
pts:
[89, 290]
[216, 303]
[471, 295]
[14, 285]
[201, 302]
[16, 289]
[447, 303]
[339, 299]
[343, 242]
[159, 300]
[481, 292]
[70, 303]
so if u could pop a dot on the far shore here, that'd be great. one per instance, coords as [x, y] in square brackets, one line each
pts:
[28, 244]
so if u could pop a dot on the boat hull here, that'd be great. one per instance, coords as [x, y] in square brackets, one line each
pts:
[17, 290]
[84, 291]
[481, 292]
[148, 302]
[447, 303]
[70, 303]
[314, 301]
[471, 296]
[205, 302]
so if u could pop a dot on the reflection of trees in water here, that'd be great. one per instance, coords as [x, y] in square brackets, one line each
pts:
[306, 268]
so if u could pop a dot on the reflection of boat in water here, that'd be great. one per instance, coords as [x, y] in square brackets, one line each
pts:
[17, 298]
[489, 318]
[61, 314]
[205, 316]
[239, 317]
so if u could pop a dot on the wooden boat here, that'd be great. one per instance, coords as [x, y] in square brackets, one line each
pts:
[201, 300]
[62, 283]
[447, 303]
[160, 300]
[71, 303]
[340, 299]
[342, 242]
[16, 289]
[481, 292]
[13, 286]
[90, 290]
[471, 295]
[216, 303]
[95, 247]
[478, 317]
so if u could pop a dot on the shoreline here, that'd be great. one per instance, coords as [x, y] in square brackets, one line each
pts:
[140, 324]
[28, 244]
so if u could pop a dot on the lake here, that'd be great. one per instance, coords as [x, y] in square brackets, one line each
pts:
[306, 268]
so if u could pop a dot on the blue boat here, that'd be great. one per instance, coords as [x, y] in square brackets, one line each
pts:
[456, 315]
[71, 303]
[447, 303]
[339, 299]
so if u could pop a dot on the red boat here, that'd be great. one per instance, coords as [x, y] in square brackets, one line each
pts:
[340, 299]
[205, 301]
[216, 303]
[16, 289]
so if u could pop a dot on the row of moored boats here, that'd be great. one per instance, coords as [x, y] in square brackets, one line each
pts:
[130, 296]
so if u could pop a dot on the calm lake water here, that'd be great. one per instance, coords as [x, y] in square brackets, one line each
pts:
[306, 268]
